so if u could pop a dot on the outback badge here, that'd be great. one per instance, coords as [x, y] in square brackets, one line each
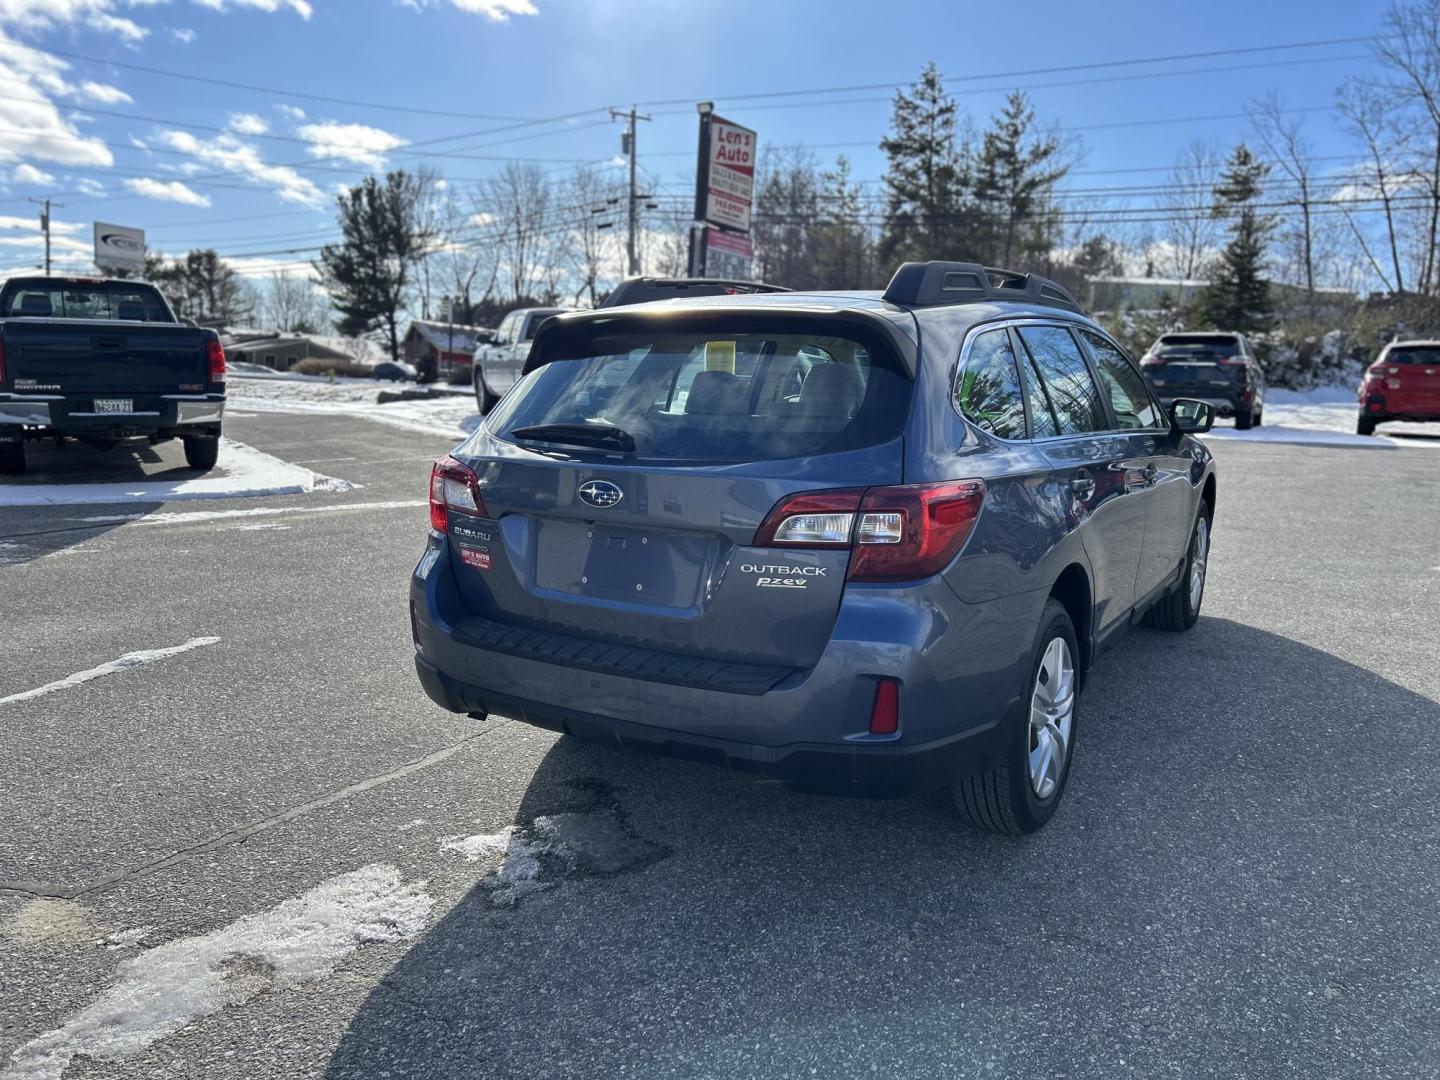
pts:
[601, 493]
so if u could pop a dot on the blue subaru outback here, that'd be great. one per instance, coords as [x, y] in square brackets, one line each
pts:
[861, 542]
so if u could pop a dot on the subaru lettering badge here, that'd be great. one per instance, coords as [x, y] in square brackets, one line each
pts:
[600, 493]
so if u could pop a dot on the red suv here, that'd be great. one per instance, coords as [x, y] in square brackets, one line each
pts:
[1403, 384]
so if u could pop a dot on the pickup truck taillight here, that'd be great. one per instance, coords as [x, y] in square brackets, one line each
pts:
[900, 533]
[453, 486]
[216, 352]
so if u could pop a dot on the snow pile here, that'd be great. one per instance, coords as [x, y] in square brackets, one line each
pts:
[161, 990]
[1325, 416]
[450, 415]
[243, 472]
[516, 859]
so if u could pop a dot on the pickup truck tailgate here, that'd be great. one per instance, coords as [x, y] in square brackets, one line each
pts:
[79, 356]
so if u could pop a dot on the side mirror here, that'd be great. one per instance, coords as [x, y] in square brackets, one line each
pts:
[1191, 417]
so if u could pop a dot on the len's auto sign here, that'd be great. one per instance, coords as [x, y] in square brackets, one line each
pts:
[731, 187]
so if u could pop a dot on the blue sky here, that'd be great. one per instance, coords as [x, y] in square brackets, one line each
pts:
[265, 186]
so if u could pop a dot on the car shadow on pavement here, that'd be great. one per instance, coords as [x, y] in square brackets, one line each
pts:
[74, 462]
[1236, 886]
[45, 535]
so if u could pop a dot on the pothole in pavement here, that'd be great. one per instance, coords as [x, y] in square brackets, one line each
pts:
[530, 858]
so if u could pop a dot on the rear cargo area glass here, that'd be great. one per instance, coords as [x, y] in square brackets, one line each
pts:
[714, 395]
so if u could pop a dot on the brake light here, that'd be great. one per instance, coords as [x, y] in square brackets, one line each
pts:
[453, 486]
[1229, 361]
[215, 352]
[1151, 361]
[900, 533]
[885, 710]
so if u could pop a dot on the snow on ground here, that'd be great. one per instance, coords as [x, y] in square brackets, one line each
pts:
[243, 472]
[452, 415]
[1325, 417]
[160, 990]
[125, 663]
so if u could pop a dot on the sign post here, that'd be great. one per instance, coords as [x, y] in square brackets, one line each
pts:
[119, 247]
[724, 198]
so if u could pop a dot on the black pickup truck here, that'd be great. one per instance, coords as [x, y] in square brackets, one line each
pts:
[102, 361]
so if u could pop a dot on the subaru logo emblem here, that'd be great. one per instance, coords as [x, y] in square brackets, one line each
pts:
[601, 493]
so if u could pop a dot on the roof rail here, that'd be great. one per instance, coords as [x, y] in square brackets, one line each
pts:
[924, 284]
[638, 290]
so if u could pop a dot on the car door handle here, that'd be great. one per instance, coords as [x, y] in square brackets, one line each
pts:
[1082, 484]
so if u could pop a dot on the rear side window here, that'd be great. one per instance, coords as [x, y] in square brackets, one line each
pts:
[1065, 380]
[69, 300]
[989, 393]
[1128, 397]
[1414, 354]
[714, 395]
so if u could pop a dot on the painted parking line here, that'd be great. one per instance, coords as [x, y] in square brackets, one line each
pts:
[124, 663]
[192, 517]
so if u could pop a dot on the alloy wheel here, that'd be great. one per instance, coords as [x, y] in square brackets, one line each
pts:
[1199, 554]
[1052, 716]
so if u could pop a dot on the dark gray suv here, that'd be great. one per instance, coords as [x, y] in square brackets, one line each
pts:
[865, 543]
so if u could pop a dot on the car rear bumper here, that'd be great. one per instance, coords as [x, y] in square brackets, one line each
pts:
[1399, 407]
[876, 770]
[60, 414]
[959, 667]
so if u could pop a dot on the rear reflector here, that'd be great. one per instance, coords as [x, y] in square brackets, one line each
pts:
[885, 711]
[899, 533]
[453, 486]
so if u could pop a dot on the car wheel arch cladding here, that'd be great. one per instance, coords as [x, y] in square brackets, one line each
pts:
[1072, 591]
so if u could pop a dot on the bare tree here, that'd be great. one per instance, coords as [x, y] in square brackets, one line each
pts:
[1409, 54]
[465, 267]
[513, 215]
[1368, 111]
[594, 201]
[1189, 231]
[1290, 152]
[291, 303]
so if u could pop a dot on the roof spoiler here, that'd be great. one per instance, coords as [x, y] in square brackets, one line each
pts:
[928, 284]
[638, 290]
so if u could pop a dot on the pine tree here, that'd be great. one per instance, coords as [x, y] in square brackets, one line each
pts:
[1238, 296]
[383, 238]
[1015, 178]
[842, 244]
[927, 177]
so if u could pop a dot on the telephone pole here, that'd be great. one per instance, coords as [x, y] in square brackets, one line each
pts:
[627, 144]
[44, 205]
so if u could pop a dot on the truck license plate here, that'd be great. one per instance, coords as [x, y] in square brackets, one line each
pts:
[114, 405]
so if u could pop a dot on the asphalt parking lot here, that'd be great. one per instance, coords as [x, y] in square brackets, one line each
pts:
[270, 855]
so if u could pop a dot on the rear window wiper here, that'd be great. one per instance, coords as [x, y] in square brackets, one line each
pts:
[601, 436]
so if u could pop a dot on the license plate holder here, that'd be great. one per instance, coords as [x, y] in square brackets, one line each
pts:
[114, 405]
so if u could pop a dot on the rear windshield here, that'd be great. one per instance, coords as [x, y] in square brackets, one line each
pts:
[714, 396]
[1216, 341]
[1414, 354]
[68, 300]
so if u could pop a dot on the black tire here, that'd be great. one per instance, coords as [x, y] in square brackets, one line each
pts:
[1259, 417]
[1003, 799]
[1365, 425]
[12, 458]
[1174, 611]
[1244, 421]
[484, 399]
[202, 451]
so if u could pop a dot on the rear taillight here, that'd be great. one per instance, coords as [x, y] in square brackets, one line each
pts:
[1230, 361]
[215, 352]
[885, 709]
[453, 486]
[1151, 361]
[898, 533]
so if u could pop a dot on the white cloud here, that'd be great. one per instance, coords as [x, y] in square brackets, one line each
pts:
[300, 7]
[105, 94]
[235, 155]
[292, 112]
[167, 191]
[494, 10]
[183, 34]
[248, 124]
[77, 117]
[87, 186]
[26, 173]
[357, 143]
[34, 128]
